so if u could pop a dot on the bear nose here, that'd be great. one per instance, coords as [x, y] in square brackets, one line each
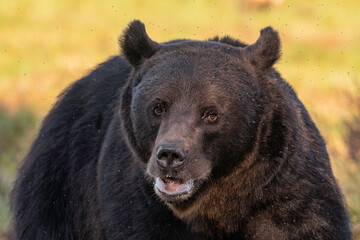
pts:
[170, 156]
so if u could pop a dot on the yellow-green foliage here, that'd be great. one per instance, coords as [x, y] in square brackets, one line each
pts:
[45, 45]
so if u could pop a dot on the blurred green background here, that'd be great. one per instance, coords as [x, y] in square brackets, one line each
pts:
[46, 45]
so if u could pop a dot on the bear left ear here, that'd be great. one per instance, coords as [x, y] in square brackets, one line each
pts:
[265, 51]
[136, 44]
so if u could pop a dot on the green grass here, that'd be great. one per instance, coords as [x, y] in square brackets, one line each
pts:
[45, 45]
[16, 132]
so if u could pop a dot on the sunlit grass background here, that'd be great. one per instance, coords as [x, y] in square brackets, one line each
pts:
[46, 45]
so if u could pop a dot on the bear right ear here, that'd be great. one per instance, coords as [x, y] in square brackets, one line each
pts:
[136, 44]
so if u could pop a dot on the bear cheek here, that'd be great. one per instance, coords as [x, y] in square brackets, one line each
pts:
[152, 167]
[198, 167]
[144, 132]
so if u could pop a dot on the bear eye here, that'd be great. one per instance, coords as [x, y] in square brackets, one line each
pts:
[159, 110]
[211, 117]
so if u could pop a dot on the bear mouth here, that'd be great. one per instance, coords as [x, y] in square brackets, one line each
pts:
[173, 187]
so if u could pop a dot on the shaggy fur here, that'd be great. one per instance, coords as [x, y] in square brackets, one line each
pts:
[233, 132]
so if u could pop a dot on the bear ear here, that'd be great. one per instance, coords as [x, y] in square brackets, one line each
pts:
[265, 51]
[135, 43]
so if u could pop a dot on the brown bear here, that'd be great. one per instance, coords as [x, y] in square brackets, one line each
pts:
[180, 140]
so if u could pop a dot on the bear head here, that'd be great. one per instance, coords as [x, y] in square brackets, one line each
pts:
[190, 109]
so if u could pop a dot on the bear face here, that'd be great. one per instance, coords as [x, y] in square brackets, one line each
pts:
[191, 109]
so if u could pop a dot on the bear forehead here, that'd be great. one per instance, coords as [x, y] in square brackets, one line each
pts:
[169, 82]
[197, 61]
[195, 73]
[194, 67]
